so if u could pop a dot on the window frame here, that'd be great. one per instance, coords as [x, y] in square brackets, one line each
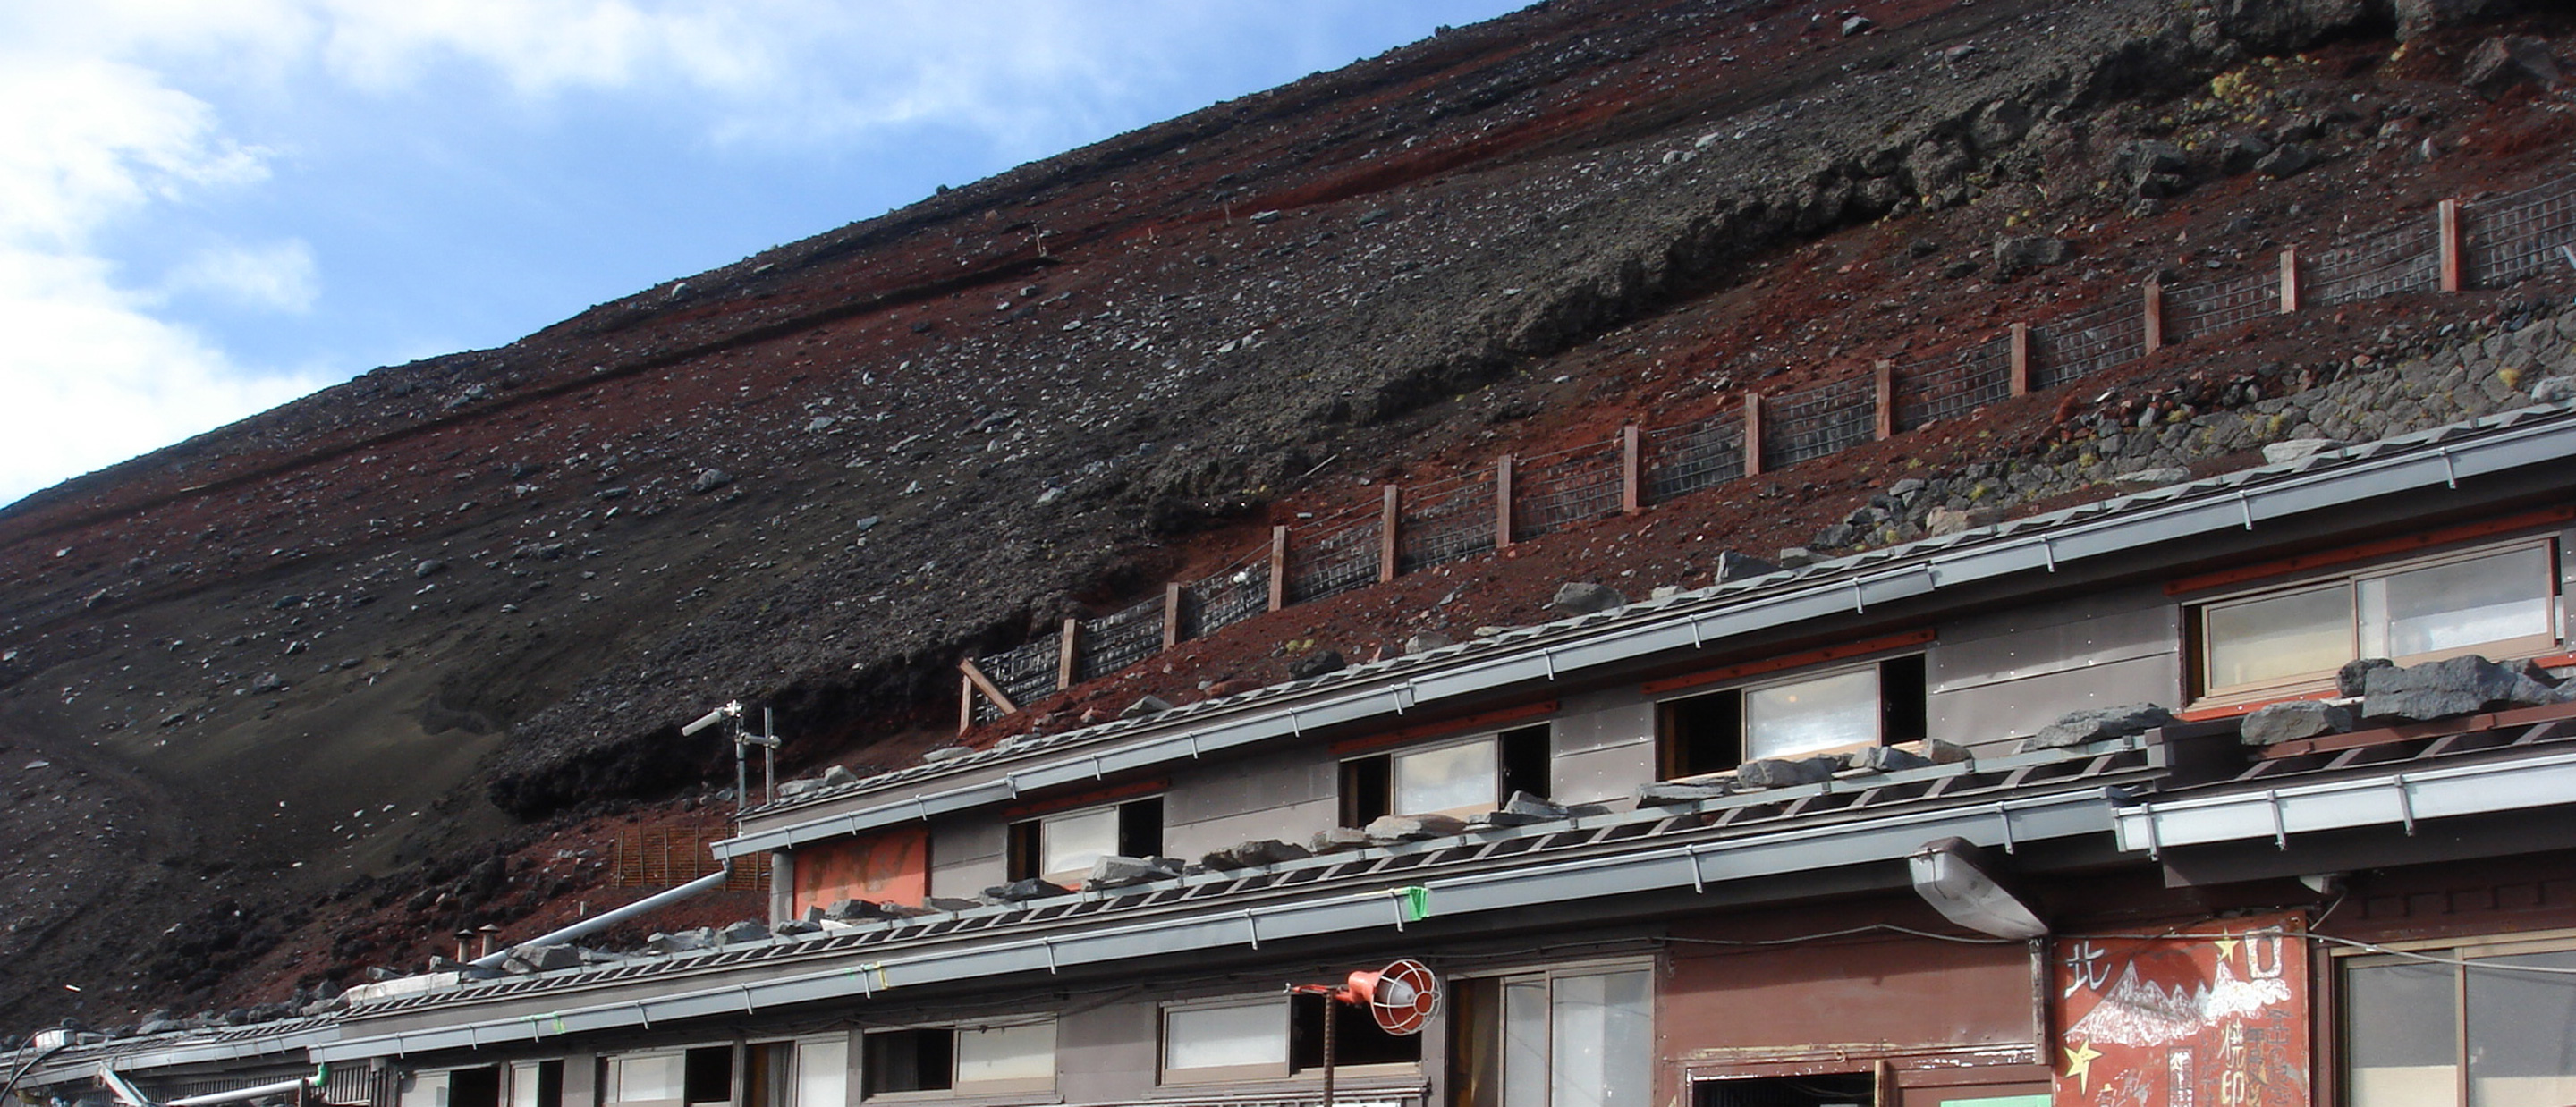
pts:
[1026, 860]
[959, 1088]
[1165, 1073]
[1671, 759]
[2474, 947]
[1499, 981]
[2205, 693]
[612, 1084]
[1379, 765]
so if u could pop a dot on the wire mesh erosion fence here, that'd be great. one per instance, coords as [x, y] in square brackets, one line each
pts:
[2460, 245]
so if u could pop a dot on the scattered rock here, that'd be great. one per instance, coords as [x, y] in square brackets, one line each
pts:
[2018, 254]
[1857, 24]
[2290, 721]
[1998, 125]
[1427, 641]
[545, 958]
[1254, 854]
[1144, 707]
[2095, 724]
[686, 941]
[794, 927]
[2502, 62]
[1336, 839]
[2288, 160]
[428, 568]
[2240, 155]
[2554, 390]
[1774, 772]
[1119, 872]
[2453, 686]
[853, 910]
[1585, 598]
[1673, 793]
[839, 775]
[1390, 829]
[1021, 891]
[2353, 678]
[1733, 566]
[2297, 449]
[1946, 520]
[1316, 664]
[1885, 759]
[709, 480]
[1795, 557]
[2155, 477]
[268, 682]
[945, 753]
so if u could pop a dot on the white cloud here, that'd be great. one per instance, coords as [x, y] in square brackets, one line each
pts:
[276, 277]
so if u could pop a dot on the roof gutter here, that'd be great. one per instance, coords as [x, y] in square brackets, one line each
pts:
[2398, 799]
[1698, 866]
[2040, 544]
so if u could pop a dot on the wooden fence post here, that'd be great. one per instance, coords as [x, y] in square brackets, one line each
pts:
[1173, 597]
[1632, 469]
[1752, 434]
[965, 703]
[2152, 295]
[2446, 216]
[1278, 567]
[1883, 378]
[2289, 280]
[1387, 515]
[1503, 502]
[2020, 359]
[1068, 655]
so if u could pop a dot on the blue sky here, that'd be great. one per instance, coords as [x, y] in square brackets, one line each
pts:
[208, 207]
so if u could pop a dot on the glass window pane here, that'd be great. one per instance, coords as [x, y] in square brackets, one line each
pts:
[1445, 779]
[648, 1077]
[1072, 842]
[1007, 1053]
[2401, 1028]
[1601, 1053]
[1525, 1043]
[2279, 637]
[1783, 720]
[525, 1077]
[1214, 1037]
[2522, 1032]
[425, 1089]
[2456, 606]
[823, 1073]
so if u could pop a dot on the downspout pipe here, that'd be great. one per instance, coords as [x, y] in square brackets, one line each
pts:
[606, 919]
[237, 1095]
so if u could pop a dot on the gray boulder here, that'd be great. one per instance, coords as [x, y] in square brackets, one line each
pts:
[1145, 707]
[1120, 872]
[1021, 891]
[2095, 724]
[686, 941]
[1390, 829]
[1674, 793]
[1336, 839]
[2293, 720]
[2353, 678]
[853, 910]
[2016, 254]
[1735, 566]
[1885, 759]
[2554, 390]
[1783, 773]
[2503, 62]
[2297, 449]
[708, 480]
[1427, 641]
[839, 775]
[1316, 664]
[2454, 686]
[1585, 598]
[2286, 160]
[743, 931]
[1254, 854]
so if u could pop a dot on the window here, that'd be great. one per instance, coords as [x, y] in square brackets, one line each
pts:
[982, 1060]
[536, 1084]
[706, 1074]
[1357, 1038]
[814, 1072]
[1570, 1038]
[1795, 716]
[1226, 1041]
[702, 1075]
[1447, 778]
[1821, 1090]
[1061, 848]
[2491, 1031]
[2499, 601]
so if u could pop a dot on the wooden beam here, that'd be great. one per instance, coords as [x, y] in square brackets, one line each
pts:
[2446, 218]
[1503, 502]
[2152, 295]
[1388, 515]
[1883, 376]
[1752, 434]
[1278, 567]
[1632, 469]
[965, 702]
[2289, 280]
[976, 679]
[1173, 597]
[2021, 359]
[1068, 654]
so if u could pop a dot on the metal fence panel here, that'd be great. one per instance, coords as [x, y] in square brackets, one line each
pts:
[1332, 561]
[2400, 259]
[1952, 384]
[1227, 596]
[1828, 418]
[1120, 639]
[2510, 237]
[1446, 521]
[1025, 673]
[2195, 311]
[1694, 456]
[2081, 345]
[1551, 492]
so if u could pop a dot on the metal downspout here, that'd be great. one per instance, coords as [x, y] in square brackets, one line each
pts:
[606, 919]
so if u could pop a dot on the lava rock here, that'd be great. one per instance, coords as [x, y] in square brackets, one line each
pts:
[1119, 872]
[1145, 707]
[2241, 154]
[1316, 664]
[744, 930]
[2452, 686]
[2554, 390]
[2094, 724]
[2289, 160]
[1585, 598]
[709, 480]
[1390, 829]
[428, 568]
[1733, 566]
[1775, 772]
[2297, 449]
[1427, 641]
[853, 910]
[2017, 254]
[839, 775]
[1021, 891]
[2353, 678]
[1946, 520]
[2505, 61]
[1885, 759]
[2292, 720]
[1254, 854]
[686, 941]
[1336, 839]
[1673, 793]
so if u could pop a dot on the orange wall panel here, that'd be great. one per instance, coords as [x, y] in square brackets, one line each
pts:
[889, 867]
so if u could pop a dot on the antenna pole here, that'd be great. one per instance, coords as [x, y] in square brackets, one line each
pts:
[741, 773]
[769, 755]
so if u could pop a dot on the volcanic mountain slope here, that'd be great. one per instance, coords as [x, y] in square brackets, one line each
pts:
[316, 669]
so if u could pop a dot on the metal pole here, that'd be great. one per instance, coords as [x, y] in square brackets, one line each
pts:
[769, 754]
[1329, 1020]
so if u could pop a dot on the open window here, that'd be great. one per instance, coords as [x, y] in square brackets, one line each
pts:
[479, 1086]
[537, 1084]
[1573, 1037]
[2287, 640]
[2480, 1024]
[1807, 713]
[967, 1060]
[1461, 777]
[1061, 848]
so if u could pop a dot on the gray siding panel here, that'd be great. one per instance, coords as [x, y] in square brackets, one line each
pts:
[1110, 1053]
[966, 855]
[1286, 794]
[2006, 675]
[1989, 717]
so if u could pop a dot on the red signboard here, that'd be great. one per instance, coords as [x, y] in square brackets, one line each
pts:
[2210, 1016]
